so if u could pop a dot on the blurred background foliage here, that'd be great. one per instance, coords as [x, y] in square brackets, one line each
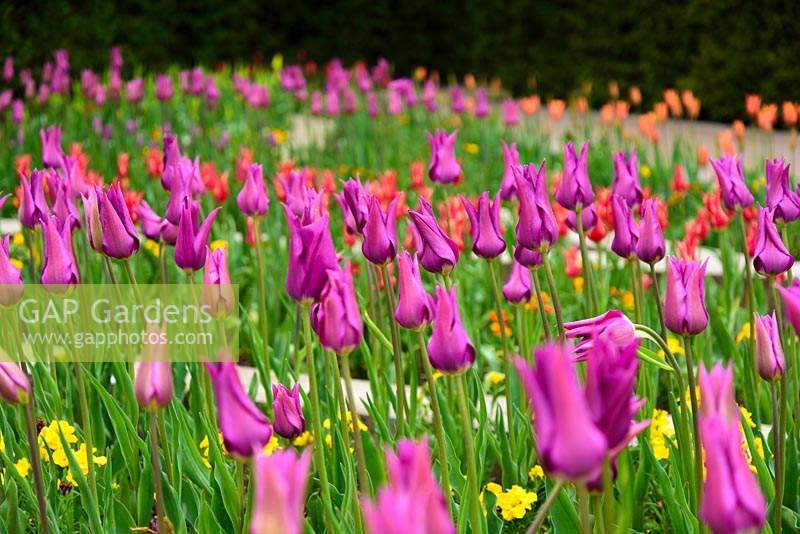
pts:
[721, 49]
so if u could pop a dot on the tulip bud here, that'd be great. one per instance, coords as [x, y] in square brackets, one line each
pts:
[508, 186]
[482, 105]
[527, 257]
[575, 188]
[626, 178]
[770, 256]
[731, 182]
[149, 221]
[449, 347]
[253, 199]
[537, 226]
[438, 253]
[769, 351]
[217, 291]
[380, 232]
[51, 146]
[280, 486]
[153, 384]
[414, 306]
[191, 244]
[613, 325]
[626, 233]
[336, 318]
[15, 387]
[119, 238]
[684, 304]
[311, 255]
[517, 289]
[59, 266]
[11, 288]
[484, 219]
[444, 167]
[784, 203]
[33, 206]
[289, 421]
[650, 247]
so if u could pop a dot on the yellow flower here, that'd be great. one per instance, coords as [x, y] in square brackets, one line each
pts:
[437, 375]
[18, 239]
[536, 472]
[577, 283]
[50, 434]
[494, 487]
[644, 171]
[23, 467]
[472, 148]
[744, 333]
[152, 247]
[627, 300]
[495, 377]
[155, 135]
[277, 62]
[271, 446]
[303, 439]
[403, 119]
[515, 502]
[280, 136]
[203, 446]
[217, 244]
[748, 417]
[675, 347]
[329, 441]
[661, 430]
[16, 263]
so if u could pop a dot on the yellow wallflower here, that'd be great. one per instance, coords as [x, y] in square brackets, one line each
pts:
[152, 247]
[495, 377]
[271, 446]
[577, 283]
[644, 171]
[23, 467]
[494, 487]
[217, 244]
[18, 239]
[536, 472]
[661, 430]
[515, 502]
[748, 417]
[627, 300]
[472, 148]
[403, 119]
[49, 435]
[280, 136]
[16, 263]
[744, 333]
[675, 347]
[204, 448]
[303, 439]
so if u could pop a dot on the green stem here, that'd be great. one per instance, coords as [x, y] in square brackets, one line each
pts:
[551, 283]
[400, 382]
[587, 266]
[438, 426]
[87, 427]
[540, 303]
[316, 421]
[506, 356]
[608, 497]
[30, 427]
[361, 462]
[162, 260]
[698, 452]
[262, 313]
[541, 515]
[637, 297]
[659, 303]
[156, 463]
[469, 450]
[751, 340]
[583, 506]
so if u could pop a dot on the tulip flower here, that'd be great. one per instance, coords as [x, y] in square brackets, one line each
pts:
[484, 218]
[280, 487]
[289, 421]
[15, 388]
[626, 178]
[190, 247]
[569, 444]
[163, 87]
[684, 303]
[508, 186]
[336, 318]
[537, 226]
[731, 182]
[626, 233]
[444, 167]
[731, 500]
[784, 204]
[51, 146]
[517, 289]
[510, 112]
[449, 347]
[153, 383]
[217, 292]
[33, 206]
[482, 104]
[412, 494]
[438, 253]
[380, 233]
[527, 257]
[245, 429]
[769, 351]
[613, 325]
[253, 199]
[149, 221]
[64, 206]
[575, 189]
[650, 247]
[59, 266]
[457, 104]
[311, 256]
[10, 277]
[119, 238]
[414, 309]
[770, 256]
[355, 205]
[588, 219]
[791, 303]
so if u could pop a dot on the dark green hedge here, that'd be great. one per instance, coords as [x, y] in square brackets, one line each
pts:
[722, 49]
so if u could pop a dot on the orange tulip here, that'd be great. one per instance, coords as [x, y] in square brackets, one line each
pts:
[752, 104]
[556, 109]
[635, 95]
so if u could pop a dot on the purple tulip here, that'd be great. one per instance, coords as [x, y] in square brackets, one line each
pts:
[380, 233]
[119, 238]
[289, 421]
[135, 90]
[457, 104]
[280, 488]
[33, 206]
[784, 204]
[212, 93]
[217, 293]
[15, 387]
[527, 257]
[449, 347]
[51, 146]
[153, 384]
[510, 112]
[588, 219]
[438, 253]
[537, 227]
[17, 111]
[575, 188]
[190, 247]
[413, 501]
[395, 104]
[245, 429]
[59, 266]
[482, 104]
[253, 199]
[484, 220]
[10, 277]
[769, 350]
[316, 103]
[650, 247]
[731, 500]
[336, 318]
[414, 309]
[8, 68]
[332, 101]
[163, 87]
[613, 325]
[517, 289]
[731, 182]
[626, 178]
[64, 205]
[311, 256]
[684, 304]
[770, 256]
[149, 221]
[569, 443]
[791, 303]
[373, 106]
[626, 233]
[355, 205]
[508, 187]
[444, 167]
[429, 91]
